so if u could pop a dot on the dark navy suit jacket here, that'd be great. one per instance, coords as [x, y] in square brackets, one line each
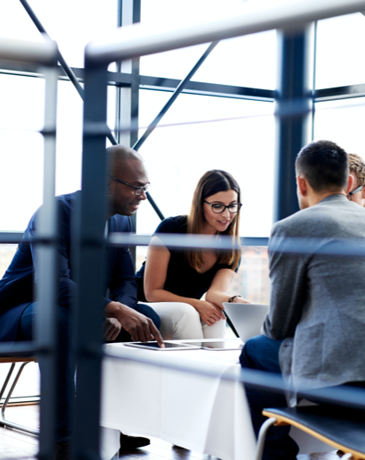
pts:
[17, 284]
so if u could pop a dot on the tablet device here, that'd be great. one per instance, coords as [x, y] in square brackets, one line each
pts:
[155, 346]
[247, 318]
[219, 345]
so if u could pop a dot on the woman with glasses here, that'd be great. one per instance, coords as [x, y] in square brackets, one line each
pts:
[173, 281]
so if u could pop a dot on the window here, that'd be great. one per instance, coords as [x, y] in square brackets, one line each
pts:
[339, 47]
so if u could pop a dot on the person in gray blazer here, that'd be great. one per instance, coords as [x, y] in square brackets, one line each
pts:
[314, 332]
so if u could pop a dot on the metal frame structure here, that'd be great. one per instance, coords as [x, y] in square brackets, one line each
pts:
[93, 208]
[123, 46]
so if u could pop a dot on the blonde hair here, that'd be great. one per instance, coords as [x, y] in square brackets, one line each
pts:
[357, 166]
[212, 182]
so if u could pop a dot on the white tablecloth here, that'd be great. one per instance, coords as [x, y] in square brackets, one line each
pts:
[201, 413]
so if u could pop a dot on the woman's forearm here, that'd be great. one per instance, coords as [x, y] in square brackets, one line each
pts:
[218, 297]
[161, 295]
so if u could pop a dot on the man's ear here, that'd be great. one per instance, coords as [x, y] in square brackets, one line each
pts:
[350, 184]
[302, 185]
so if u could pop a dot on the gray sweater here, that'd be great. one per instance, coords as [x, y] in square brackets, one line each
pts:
[317, 300]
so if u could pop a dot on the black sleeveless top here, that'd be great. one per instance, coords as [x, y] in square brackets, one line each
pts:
[181, 278]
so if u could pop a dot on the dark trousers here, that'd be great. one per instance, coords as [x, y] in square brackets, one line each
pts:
[65, 374]
[263, 354]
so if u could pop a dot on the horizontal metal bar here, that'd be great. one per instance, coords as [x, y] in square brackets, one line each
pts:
[207, 89]
[341, 92]
[254, 241]
[28, 51]
[16, 237]
[193, 87]
[17, 348]
[346, 395]
[11, 237]
[252, 17]
[326, 246]
[335, 247]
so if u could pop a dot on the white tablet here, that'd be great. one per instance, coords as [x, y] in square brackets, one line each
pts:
[247, 318]
[168, 346]
[219, 345]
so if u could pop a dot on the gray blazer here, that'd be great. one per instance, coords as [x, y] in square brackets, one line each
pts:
[318, 301]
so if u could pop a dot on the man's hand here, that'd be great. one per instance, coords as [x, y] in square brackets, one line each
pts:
[139, 326]
[209, 312]
[111, 328]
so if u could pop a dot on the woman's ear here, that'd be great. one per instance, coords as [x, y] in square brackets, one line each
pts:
[350, 183]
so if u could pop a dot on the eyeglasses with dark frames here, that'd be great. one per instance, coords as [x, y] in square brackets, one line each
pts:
[220, 208]
[349, 195]
[138, 190]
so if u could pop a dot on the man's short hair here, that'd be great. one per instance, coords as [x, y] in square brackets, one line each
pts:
[324, 164]
[118, 155]
[357, 166]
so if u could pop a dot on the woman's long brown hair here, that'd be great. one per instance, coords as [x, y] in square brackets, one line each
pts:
[212, 182]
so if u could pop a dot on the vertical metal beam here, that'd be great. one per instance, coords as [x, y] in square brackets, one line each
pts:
[118, 95]
[90, 267]
[315, 36]
[129, 12]
[134, 114]
[47, 283]
[294, 98]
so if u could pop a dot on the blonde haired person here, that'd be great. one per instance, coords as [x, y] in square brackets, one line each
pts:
[356, 186]
[174, 281]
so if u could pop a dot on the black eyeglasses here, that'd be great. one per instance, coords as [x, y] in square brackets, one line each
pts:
[138, 190]
[349, 195]
[219, 208]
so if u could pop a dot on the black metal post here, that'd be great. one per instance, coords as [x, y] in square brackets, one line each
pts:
[294, 95]
[91, 268]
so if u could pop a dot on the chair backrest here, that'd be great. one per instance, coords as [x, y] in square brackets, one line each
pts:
[341, 429]
[17, 359]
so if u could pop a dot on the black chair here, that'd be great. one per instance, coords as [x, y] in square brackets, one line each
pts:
[341, 428]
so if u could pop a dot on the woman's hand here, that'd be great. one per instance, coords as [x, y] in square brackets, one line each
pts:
[209, 313]
[240, 300]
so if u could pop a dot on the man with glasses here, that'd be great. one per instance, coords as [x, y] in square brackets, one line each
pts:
[356, 190]
[125, 319]
[313, 334]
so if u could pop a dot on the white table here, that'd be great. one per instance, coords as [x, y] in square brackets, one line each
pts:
[201, 413]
